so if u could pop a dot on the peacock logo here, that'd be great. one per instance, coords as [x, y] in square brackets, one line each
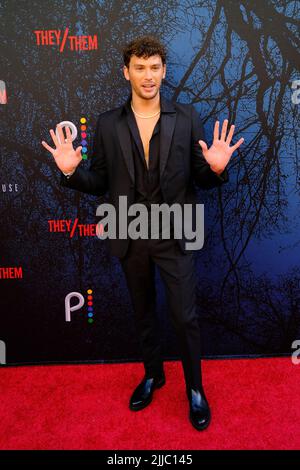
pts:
[86, 302]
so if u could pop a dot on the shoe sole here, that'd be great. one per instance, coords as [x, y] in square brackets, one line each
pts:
[141, 407]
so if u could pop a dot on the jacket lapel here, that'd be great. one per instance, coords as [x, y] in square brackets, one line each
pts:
[125, 142]
[166, 133]
[168, 119]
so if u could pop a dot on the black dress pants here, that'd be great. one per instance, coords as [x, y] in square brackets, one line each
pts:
[178, 274]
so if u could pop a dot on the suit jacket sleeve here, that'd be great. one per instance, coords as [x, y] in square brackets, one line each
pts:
[203, 175]
[95, 180]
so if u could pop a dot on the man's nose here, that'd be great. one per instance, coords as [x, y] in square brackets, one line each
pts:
[148, 73]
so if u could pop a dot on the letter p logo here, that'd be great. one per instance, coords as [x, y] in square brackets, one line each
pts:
[68, 308]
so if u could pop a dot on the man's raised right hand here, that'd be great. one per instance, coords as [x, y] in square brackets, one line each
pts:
[66, 158]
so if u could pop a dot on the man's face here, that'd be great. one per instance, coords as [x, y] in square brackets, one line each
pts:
[145, 75]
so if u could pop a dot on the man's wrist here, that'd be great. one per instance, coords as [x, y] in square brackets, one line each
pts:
[69, 174]
[218, 171]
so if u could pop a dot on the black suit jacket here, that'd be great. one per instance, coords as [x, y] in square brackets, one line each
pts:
[182, 164]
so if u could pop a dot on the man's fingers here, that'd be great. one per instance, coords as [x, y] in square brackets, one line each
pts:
[54, 138]
[61, 134]
[224, 129]
[216, 131]
[230, 134]
[48, 147]
[68, 134]
[202, 145]
[78, 151]
[239, 142]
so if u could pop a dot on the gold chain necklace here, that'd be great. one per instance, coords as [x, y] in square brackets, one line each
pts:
[141, 115]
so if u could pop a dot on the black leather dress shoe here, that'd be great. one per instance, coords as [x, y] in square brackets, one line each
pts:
[199, 410]
[142, 395]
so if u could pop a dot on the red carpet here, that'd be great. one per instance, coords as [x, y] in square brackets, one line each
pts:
[255, 405]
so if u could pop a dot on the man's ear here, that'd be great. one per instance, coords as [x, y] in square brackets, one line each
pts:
[125, 71]
[165, 70]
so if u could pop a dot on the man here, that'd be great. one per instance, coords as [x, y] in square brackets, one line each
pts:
[152, 151]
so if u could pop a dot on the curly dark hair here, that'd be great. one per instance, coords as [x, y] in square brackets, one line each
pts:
[145, 46]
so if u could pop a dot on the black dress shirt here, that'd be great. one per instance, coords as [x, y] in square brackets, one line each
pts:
[147, 179]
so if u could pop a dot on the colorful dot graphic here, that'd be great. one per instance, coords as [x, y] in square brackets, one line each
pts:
[83, 129]
[90, 306]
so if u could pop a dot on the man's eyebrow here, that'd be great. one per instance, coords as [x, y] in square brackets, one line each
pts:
[142, 65]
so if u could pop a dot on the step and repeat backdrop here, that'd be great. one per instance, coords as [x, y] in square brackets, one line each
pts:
[62, 61]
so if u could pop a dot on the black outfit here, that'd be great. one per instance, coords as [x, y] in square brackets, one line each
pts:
[176, 269]
[147, 188]
[175, 164]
